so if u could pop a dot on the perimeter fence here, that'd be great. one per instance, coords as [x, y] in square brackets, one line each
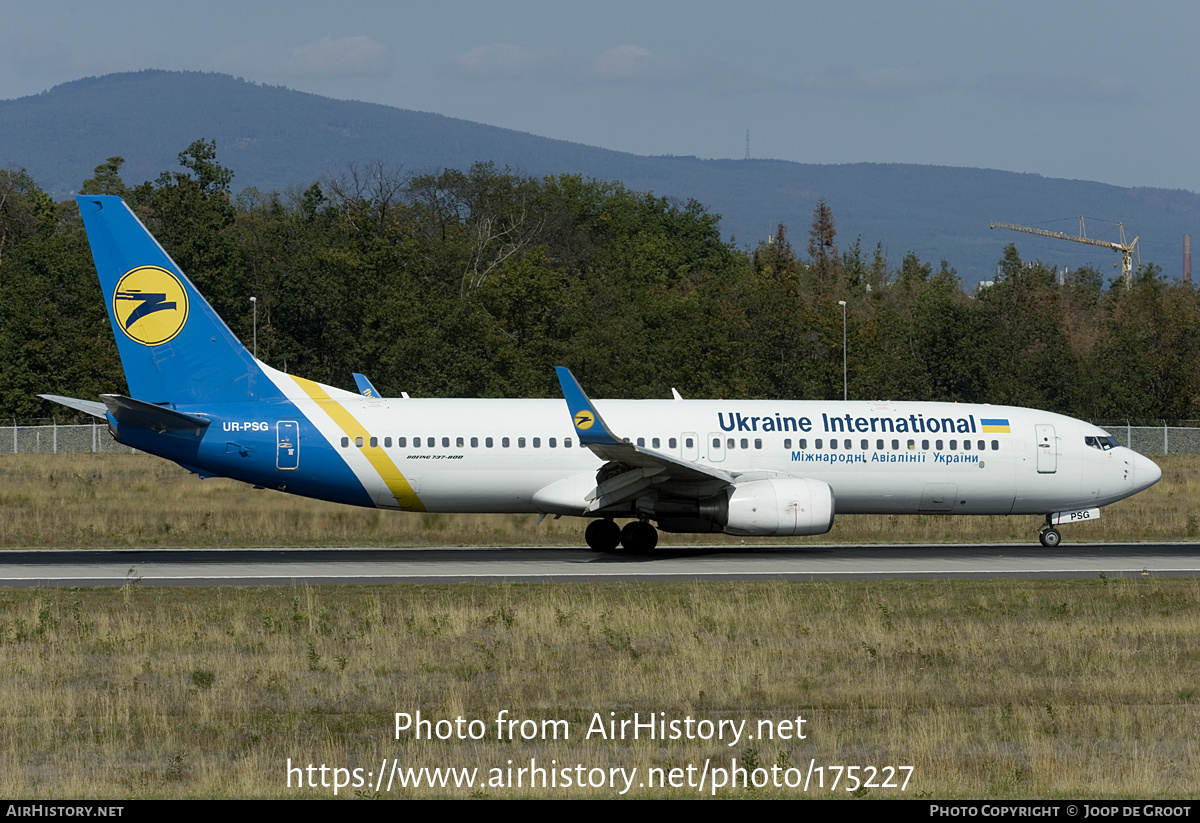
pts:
[49, 437]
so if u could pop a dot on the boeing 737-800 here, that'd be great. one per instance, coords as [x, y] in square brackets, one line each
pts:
[742, 467]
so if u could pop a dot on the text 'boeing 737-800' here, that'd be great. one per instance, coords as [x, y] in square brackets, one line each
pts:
[742, 467]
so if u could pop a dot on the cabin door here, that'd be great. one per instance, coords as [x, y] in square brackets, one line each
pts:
[1047, 449]
[287, 450]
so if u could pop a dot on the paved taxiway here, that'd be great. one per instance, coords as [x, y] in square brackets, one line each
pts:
[247, 567]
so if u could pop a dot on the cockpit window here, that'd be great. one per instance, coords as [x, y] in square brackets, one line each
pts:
[1103, 443]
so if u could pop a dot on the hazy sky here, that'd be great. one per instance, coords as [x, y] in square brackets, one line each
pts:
[1090, 90]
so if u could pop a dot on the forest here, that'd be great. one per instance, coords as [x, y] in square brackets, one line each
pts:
[478, 283]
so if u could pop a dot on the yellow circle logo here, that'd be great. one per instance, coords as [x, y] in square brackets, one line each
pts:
[584, 420]
[150, 305]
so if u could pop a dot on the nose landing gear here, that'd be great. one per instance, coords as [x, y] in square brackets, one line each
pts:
[1049, 536]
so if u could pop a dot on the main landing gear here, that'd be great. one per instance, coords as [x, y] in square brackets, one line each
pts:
[638, 536]
[1049, 536]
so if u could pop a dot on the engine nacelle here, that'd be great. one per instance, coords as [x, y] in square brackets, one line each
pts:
[780, 507]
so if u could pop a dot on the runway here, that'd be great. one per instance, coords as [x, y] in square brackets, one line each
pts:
[274, 567]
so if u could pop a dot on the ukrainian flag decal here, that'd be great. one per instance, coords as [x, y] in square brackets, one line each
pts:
[995, 425]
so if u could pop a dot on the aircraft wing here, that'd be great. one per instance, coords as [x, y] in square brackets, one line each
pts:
[631, 469]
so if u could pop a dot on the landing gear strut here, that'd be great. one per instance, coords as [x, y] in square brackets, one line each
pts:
[602, 535]
[1049, 536]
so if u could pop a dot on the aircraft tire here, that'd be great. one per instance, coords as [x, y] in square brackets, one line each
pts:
[1050, 538]
[602, 535]
[639, 537]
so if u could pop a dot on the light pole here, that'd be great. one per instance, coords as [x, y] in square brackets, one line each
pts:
[845, 385]
[254, 303]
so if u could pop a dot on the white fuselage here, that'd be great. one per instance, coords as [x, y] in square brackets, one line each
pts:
[881, 460]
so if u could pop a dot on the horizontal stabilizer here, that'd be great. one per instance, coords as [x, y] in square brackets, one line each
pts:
[93, 407]
[147, 415]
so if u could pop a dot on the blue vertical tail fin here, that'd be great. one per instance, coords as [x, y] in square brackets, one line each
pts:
[174, 348]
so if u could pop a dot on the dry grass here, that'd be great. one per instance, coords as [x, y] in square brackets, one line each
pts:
[91, 501]
[987, 688]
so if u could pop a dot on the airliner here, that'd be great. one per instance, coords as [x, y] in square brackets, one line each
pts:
[766, 468]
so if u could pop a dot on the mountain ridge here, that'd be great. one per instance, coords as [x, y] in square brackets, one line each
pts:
[273, 137]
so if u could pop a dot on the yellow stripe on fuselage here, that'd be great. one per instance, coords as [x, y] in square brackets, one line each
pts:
[378, 458]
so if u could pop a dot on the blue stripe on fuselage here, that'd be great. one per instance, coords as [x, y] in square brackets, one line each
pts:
[248, 453]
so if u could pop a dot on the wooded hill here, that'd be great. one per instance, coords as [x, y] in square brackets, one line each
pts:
[478, 283]
[274, 138]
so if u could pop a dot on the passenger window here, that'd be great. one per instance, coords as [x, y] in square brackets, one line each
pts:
[940, 445]
[430, 442]
[655, 443]
[879, 444]
[833, 444]
[981, 446]
[416, 442]
[345, 442]
[732, 443]
[688, 442]
[672, 443]
[866, 444]
[995, 445]
[401, 442]
[553, 443]
[520, 442]
[716, 442]
[758, 442]
[641, 441]
[803, 444]
[895, 445]
[387, 442]
[504, 441]
[966, 445]
[745, 443]
[566, 442]
[953, 445]
[925, 445]
[374, 442]
[912, 444]
[787, 443]
[537, 442]
[489, 442]
[817, 443]
[474, 442]
[459, 442]
[847, 444]
[358, 441]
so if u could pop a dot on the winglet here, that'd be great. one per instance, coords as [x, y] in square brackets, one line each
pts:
[364, 386]
[589, 425]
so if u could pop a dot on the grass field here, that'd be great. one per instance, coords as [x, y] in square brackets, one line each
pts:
[1084, 689]
[987, 689]
[120, 501]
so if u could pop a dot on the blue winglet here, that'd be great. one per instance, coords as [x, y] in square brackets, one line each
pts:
[364, 386]
[589, 425]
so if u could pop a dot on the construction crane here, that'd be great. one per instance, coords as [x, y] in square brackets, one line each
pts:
[1127, 250]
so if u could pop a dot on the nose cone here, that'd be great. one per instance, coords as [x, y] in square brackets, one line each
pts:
[1145, 472]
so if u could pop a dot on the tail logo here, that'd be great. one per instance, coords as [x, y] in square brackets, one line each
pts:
[584, 420]
[150, 305]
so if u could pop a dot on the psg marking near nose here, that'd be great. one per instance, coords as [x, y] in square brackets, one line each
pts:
[198, 397]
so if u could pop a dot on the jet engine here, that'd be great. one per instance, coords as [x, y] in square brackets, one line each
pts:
[774, 507]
